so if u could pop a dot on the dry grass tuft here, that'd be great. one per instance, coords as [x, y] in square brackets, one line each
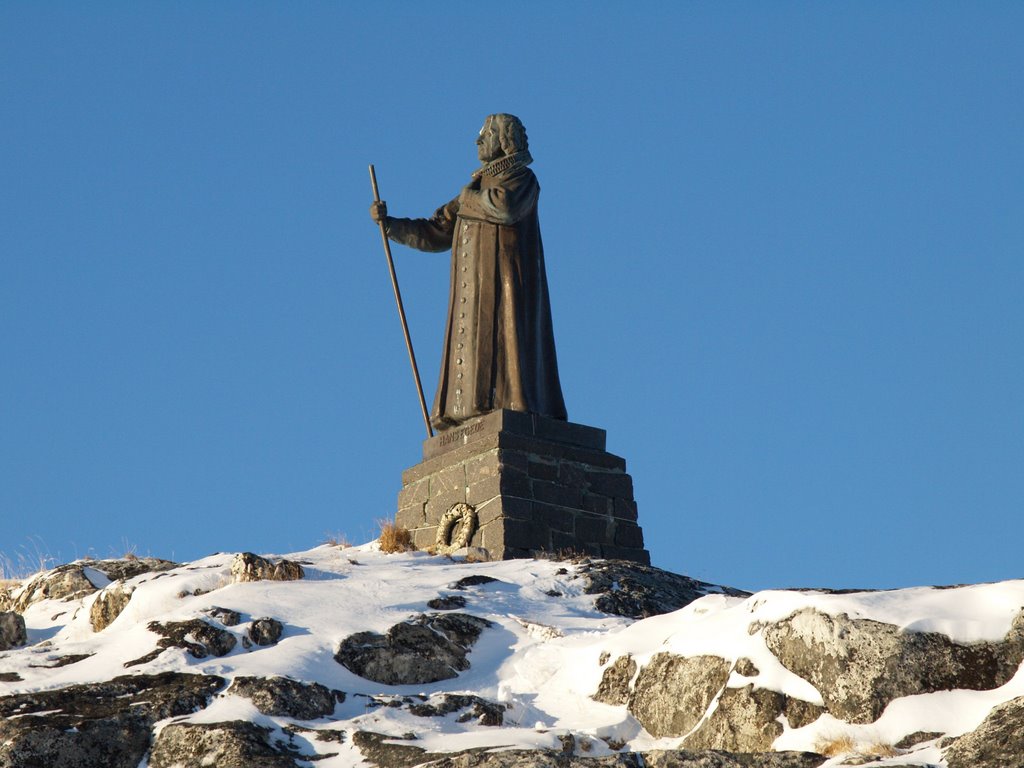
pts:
[834, 746]
[394, 538]
[130, 550]
[27, 561]
[337, 539]
[880, 749]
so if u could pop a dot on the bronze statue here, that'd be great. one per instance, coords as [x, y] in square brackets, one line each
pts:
[499, 347]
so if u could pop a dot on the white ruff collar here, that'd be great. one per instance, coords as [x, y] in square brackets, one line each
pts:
[505, 164]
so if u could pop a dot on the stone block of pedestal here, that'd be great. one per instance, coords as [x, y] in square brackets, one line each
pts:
[519, 484]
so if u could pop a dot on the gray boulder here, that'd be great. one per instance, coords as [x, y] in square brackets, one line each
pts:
[117, 741]
[70, 582]
[265, 631]
[474, 580]
[381, 750]
[672, 693]
[249, 567]
[226, 616]
[447, 603]
[65, 582]
[539, 758]
[12, 630]
[125, 568]
[425, 649]
[387, 751]
[917, 737]
[108, 605]
[860, 665]
[199, 638]
[747, 720]
[471, 708]
[677, 758]
[234, 744]
[638, 591]
[614, 688]
[285, 697]
[683, 758]
[101, 725]
[997, 743]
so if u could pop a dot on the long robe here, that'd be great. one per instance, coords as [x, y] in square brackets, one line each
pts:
[499, 347]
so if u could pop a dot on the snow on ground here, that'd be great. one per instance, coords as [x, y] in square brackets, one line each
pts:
[541, 657]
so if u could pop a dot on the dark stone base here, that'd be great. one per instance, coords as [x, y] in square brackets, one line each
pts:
[537, 485]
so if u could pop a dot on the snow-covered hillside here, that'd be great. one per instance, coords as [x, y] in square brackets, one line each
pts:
[535, 664]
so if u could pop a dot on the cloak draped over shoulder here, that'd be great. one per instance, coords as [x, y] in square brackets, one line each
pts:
[499, 346]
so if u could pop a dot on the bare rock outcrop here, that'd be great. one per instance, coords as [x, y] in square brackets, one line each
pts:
[386, 751]
[474, 580]
[683, 758]
[285, 697]
[425, 649]
[12, 630]
[614, 688]
[233, 744]
[122, 569]
[108, 605]
[747, 720]
[447, 603]
[65, 582]
[265, 631]
[638, 591]
[471, 708]
[226, 616]
[71, 581]
[672, 693]
[675, 758]
[249, 567]
[100, 725]
[857, 665]
[541, 758]
[199, 638]
[860, 665]
[997, 743]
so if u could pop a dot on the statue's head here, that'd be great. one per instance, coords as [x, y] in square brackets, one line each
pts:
[502, 134]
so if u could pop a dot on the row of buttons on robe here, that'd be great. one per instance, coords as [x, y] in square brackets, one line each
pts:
[462, 317]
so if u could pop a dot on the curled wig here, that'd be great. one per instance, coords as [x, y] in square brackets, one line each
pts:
[511, 133]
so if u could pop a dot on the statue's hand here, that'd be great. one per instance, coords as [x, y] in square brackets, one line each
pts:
[379, 211]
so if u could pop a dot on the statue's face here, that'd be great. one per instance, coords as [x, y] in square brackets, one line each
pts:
[488, 147]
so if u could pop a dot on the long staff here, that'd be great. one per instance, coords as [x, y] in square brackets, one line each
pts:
[401, 308]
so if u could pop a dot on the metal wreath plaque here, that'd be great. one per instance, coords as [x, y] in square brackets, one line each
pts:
[455, 529]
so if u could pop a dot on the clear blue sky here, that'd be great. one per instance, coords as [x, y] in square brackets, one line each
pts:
[784, 243]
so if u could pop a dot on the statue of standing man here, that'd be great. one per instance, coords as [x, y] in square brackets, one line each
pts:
[499, 346]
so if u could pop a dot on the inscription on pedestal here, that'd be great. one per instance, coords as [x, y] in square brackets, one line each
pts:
[455, 435]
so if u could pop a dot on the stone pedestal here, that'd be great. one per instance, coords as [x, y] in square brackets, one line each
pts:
[533, 484]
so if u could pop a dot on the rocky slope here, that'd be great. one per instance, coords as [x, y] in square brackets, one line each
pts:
[343, 657]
